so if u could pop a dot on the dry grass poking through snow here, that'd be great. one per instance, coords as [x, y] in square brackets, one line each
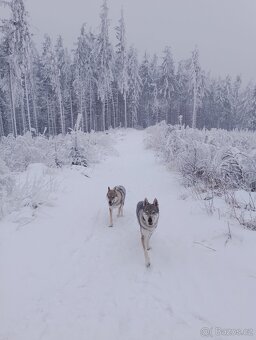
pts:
[216, 164]
[28, 165]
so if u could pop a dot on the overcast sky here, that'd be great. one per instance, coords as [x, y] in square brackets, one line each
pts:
[224, 30]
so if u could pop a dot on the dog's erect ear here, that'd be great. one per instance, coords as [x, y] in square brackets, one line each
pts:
[155, 202]
[145, 202]
[108, 188]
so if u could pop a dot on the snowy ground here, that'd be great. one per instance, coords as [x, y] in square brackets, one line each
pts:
[66, 275]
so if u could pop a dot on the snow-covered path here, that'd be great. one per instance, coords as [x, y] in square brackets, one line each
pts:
[66, 275]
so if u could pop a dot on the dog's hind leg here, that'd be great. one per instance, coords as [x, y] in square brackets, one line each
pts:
[144, 243]
[120, 211]
[111, 217]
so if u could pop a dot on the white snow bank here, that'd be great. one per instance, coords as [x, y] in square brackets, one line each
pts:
[36, 186]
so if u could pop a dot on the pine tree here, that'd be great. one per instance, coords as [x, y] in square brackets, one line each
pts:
[155, 101]
[121, 64]
[168, 84]
[134, 86]
[146, 92]
[79, 80]
[19, 50]
[249, 116]
[195, 84]
[104, 64]
[63, 64]
[51, 86]
[235, 100]
[183, 90]
[85, 77]
[224, 105]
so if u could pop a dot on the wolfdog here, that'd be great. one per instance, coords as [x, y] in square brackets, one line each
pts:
[147, 215]
[116, 198]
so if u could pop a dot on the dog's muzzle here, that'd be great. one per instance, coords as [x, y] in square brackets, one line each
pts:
[150, 221]
[110, 203]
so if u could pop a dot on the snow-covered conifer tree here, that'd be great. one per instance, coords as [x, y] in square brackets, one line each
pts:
[121, 64]
[183, 91]
[104, 63]
[85, 77]
[63, 63]
[50, 79]
[168, 84]
[195, 84]
[18, 43]
[155, 100]
[134, 86]
[146, 91]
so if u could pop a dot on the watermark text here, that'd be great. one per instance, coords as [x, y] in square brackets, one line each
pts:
[209, 332]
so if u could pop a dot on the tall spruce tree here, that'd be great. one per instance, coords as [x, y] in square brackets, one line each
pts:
[134, 86]
[195, 85]
[168, 85]
[121, 65]
[104, 64]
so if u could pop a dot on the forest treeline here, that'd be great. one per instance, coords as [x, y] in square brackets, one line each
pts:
[107, 85]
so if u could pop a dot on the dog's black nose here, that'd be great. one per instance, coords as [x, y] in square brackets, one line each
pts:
[110, 203]
[150, 220]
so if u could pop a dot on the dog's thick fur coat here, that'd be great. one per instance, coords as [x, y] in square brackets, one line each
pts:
[116, 199]
[147, 215]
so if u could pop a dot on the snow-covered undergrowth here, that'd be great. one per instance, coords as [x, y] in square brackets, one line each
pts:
[214, 163]
[31, 188]
[7, 185]
[28, 165]
[18, 153]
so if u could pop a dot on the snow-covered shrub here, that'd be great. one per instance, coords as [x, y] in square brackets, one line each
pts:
[159, 139]
[31, 188]
[243, 207]
[215, 163]
[18, 153]
[215, 157]
[194, 162]
[35, 186]
[26, 162]
[95, 146]
[77, 157]
[7, 184]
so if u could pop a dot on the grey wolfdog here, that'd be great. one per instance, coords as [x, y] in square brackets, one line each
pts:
[147, 215]
[116, 198]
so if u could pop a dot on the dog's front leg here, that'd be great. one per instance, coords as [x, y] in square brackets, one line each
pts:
[111, 217]
[147, 242]
[144, 244]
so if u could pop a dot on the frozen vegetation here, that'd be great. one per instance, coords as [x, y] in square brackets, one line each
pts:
[215, 164]
[23, 183]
